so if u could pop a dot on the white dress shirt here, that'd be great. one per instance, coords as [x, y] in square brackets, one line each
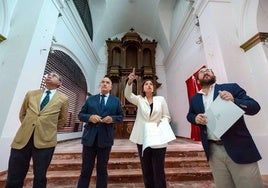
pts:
[207, 100]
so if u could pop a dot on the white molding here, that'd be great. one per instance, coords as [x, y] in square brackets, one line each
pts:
[4, 18]
[73, 22]
[183, 32]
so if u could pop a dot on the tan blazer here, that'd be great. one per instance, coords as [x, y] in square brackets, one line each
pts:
[160, 113]
[43, 123]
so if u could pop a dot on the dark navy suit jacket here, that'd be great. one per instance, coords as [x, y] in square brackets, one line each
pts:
[103, 131]
[237, 140]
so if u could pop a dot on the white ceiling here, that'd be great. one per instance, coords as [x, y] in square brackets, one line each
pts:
[152, 18]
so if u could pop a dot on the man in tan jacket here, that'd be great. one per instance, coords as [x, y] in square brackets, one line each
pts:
[43, 111]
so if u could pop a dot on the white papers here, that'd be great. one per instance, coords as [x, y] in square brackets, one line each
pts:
[157, 135]
[221, 115]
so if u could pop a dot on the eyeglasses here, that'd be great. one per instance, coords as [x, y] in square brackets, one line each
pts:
[205, 71]
[53, 74]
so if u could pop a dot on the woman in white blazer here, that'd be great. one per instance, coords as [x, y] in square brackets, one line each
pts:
[150, 109]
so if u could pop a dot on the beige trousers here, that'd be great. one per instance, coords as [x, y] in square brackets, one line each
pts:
[228, 174]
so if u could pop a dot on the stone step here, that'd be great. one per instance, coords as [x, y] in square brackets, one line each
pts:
[129, 154]
[180, 184]
[129, 163]
[126, 170]
[125, 176]
[184, 162]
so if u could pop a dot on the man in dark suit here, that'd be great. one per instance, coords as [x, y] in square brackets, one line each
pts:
[232, 157]
[37, 135]
[100, 112]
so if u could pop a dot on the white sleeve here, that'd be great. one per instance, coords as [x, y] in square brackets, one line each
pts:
[131, 97]
[165, 111]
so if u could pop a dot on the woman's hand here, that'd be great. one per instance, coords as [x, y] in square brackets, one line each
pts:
[131, 77]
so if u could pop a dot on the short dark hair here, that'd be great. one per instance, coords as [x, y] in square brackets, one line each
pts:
[106, 76]
[144, 81]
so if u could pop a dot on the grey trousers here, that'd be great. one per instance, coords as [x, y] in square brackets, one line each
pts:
[227, 173]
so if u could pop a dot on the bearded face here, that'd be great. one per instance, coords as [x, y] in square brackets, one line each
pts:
[206, 77]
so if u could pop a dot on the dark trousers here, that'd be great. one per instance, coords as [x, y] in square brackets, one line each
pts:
[153, 167]
[88, 160]
[19, 162]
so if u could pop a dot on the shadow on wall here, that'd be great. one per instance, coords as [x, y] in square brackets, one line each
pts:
[174, 127]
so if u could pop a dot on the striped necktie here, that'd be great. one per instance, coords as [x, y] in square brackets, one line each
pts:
[45, 100]
[102, 102]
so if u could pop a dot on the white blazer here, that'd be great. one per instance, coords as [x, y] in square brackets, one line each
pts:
[159, 113]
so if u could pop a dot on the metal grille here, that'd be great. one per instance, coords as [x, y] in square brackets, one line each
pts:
[84, 12]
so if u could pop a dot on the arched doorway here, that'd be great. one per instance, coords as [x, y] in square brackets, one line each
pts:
[74, 86]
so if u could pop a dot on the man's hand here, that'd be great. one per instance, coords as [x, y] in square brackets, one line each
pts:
[107, 119]
[226, 95]
[95, 118]
[201, 119]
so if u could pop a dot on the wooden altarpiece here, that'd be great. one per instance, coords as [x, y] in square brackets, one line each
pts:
[131, 51]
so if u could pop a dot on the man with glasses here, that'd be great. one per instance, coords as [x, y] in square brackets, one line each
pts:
[232, 157]
[43, 111]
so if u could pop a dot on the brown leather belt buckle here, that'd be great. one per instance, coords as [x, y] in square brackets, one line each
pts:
[217, 142]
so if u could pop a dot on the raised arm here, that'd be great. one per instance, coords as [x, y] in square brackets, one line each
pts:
[130, 96]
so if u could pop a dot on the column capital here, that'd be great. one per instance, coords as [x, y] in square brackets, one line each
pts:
[259, 37]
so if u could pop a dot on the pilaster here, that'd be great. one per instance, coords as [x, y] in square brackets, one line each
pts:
[219, 37]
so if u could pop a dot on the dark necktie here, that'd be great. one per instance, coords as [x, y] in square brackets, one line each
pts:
[45, 100]
[102, 102]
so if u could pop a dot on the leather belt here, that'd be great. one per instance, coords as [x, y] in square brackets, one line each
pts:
[217, 142]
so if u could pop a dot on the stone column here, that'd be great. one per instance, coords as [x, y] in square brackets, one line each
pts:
[219, 37]
[22, 61]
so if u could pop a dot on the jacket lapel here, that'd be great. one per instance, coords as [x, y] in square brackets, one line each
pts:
[97, 102]
[216, 91]
[52, 100]
[200, 102]
[155, 103]
[38, 99]
[109, 103]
